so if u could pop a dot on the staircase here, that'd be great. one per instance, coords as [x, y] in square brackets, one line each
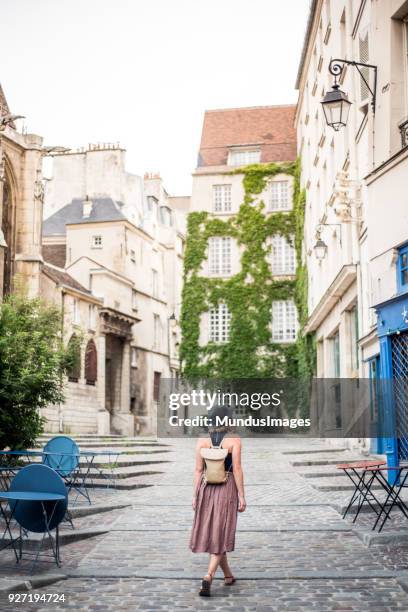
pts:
[139, 458]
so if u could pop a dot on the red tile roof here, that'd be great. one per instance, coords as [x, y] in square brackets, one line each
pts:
[270, 127]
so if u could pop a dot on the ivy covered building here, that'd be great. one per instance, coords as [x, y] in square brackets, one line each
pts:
[243, 292]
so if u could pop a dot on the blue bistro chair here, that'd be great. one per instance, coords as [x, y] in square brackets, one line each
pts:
[40, 504]
[62, 455]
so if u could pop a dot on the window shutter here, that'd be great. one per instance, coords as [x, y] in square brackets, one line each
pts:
[91, 363]
[74, 349]
[156, 386]
[364, 58]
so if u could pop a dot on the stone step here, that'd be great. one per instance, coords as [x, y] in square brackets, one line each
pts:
[121, 473]
[314, 451]
[327, 461]
[339, 483]
[125, 484]
[66, 537]
[121, 444]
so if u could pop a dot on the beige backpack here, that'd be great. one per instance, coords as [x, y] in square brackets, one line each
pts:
[214, 457]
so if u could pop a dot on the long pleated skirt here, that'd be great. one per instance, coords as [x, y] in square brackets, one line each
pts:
[215, 518]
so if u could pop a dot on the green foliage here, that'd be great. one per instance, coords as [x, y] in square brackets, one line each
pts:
[250, 353]
[32, 363]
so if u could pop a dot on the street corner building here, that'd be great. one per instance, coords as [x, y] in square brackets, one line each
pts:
[109, 254]
[239, 316]
[113, 245]
[355, 179]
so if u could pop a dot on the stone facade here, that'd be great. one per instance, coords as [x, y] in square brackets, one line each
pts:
[354, 178]
[128, 254]
[21, 201]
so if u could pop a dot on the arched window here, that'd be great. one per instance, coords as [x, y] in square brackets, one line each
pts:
[91, 363]
[7, 229]
[74, 352]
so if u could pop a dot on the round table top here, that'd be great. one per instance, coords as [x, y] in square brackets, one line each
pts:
[22, 453]
[31, 496]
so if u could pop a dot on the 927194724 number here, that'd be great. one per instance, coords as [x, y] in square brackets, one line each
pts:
[36, 598]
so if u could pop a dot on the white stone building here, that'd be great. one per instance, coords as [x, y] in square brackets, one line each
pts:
[355, 181]
[127, 253]
[233, 138]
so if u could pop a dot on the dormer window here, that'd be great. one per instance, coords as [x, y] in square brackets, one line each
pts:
[244, 157]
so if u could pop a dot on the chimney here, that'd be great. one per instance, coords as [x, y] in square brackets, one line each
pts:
[86, 208]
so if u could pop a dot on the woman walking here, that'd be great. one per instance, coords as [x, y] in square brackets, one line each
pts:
[216, 505]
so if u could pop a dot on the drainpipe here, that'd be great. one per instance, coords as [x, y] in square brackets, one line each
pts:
[60, 418]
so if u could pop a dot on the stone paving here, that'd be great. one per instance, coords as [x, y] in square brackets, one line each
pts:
[293, 551]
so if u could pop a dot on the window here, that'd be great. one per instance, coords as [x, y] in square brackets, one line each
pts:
[92, 316]
[283, 256]
[165, 215]
[134, 299]
[243, 158]
[155, 283]
[284, 321]
[133, 256]
[222, 198]
[156, 386]
[220, 320]
[220, 255]
[353, 321]
[279, 195]
[75, 312]
[74, 351]
[156, 331]
[402, 270]
[96, 242]
[335, 346]
[133, 357]
[91, 363]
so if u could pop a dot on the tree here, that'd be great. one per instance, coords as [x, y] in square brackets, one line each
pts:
[33, 361]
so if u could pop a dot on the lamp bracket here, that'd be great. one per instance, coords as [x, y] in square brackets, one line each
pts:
[319, 229]
[336, 68]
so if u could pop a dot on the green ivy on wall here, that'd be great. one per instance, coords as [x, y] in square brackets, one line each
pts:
[250, 352]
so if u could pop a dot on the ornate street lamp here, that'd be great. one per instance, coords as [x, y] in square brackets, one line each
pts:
[336, 105]
[320, 249]
[336, 108]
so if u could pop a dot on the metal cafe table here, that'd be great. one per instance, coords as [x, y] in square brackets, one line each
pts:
[76, 480]
[362, 479]
[14, 498]
[392, 489]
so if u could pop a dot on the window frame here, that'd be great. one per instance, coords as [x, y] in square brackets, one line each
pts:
[219, 330]
[286, 255]
[246, 152]
[97, 241]
[285, 339]
[279, 207]
[224, 198]
[402, 251]
[218, 266]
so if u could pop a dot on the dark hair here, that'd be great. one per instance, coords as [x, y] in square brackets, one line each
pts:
[221, 412]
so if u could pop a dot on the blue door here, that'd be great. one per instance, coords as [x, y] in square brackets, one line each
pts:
[378, 443]
[399, 355]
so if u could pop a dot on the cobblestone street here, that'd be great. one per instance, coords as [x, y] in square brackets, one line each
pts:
[293, 550]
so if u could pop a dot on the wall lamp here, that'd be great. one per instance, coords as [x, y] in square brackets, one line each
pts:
[320, 248]
[336, 105]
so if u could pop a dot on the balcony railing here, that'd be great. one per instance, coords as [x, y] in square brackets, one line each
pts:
[403, 128]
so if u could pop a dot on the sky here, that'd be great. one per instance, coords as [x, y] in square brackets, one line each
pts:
[142, 72]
